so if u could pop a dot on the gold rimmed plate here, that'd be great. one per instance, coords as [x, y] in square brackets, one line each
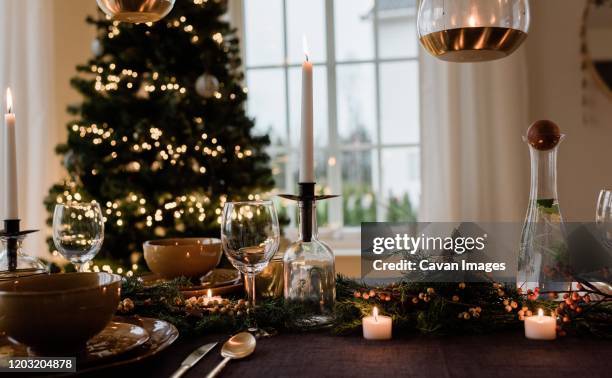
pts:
[116, 339]
[161, 335]
[221, 277]
[220, 281]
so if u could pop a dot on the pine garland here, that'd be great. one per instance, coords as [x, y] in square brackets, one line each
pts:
[416, 308]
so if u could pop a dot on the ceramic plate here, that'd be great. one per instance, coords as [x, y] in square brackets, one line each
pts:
[198, 291]
[161, 335]
[114, 340]
[227, 281]
[220, 277]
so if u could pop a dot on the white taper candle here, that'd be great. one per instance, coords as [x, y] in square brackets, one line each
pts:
[307, 137]
[10, 160]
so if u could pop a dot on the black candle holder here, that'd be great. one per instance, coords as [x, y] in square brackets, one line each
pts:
[12, 234]
[307, 197]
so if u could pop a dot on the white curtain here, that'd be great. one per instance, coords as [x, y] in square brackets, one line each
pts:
[475, 164]
[26, 65]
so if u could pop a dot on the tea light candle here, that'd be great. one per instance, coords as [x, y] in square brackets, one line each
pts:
[210, 300]
[377, 327]
[541, 327]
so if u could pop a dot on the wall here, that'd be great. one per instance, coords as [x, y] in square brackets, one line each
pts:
[73, 39]
[556, 93]
[71, 46]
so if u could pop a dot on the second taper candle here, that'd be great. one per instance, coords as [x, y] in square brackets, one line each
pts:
[307, 134]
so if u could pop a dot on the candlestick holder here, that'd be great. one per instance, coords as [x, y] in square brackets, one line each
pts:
[14, 262]
[308, 264]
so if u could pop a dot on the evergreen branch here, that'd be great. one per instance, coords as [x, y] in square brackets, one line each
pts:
[415, 307]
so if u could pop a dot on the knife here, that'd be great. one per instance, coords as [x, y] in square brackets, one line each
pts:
[193, 359]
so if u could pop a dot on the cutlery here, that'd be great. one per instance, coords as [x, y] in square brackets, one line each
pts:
[193, 359]
[238, 346]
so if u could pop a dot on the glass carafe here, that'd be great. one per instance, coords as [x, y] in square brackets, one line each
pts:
[544, 254]
[309, 275]
[19, 265]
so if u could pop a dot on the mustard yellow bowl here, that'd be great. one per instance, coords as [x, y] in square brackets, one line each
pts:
[189, 257]
[57, 313]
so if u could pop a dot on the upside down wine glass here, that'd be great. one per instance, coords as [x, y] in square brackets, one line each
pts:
[78, 231]
[250, 235]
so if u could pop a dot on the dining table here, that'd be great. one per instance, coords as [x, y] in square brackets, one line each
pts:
[321, 354]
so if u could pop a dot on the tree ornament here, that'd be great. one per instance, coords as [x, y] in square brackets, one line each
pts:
[142, 92]
[69, 160]
[96, 47]
[136, 11]
[207, 85]
[472, 30]
[133, 166]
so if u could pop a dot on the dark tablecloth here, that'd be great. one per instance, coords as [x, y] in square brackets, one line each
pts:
[322, 355]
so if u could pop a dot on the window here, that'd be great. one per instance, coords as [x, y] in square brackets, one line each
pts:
[366, 89]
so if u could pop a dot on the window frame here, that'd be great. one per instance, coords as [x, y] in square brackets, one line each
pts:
[335, 229]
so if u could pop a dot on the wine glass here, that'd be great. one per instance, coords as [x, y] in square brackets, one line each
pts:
[603, 215]
[78, 231]
[250, 236]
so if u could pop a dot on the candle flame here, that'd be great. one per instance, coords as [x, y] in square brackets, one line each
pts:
[9, 101]
[305, 46]
[540, 313]
[472, 21]
[375, 313]
[209, 293]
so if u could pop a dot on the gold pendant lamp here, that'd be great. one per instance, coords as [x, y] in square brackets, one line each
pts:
[472, 30]
[136, 11]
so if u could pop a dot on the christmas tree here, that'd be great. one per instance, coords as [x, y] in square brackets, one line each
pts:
[161, 139]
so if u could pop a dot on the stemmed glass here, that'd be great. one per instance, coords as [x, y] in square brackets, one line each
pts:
[78, 231]
[250, 236]
[603, 216]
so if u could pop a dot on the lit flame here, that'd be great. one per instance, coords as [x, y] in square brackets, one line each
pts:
[540, 313]
[472, 21]
[9, 101]
[375, 314]
[305, 46]
[209, 293]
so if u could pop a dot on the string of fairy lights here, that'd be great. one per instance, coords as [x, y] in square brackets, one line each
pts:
[109, 77]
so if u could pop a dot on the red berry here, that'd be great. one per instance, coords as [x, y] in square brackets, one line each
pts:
[566, 319]
[575, 296]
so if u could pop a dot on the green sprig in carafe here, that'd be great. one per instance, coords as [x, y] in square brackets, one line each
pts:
[543, 255]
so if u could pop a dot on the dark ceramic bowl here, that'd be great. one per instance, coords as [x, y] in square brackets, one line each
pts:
[58, 313]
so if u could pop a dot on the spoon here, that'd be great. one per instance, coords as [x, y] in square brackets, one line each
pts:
[238, 346]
